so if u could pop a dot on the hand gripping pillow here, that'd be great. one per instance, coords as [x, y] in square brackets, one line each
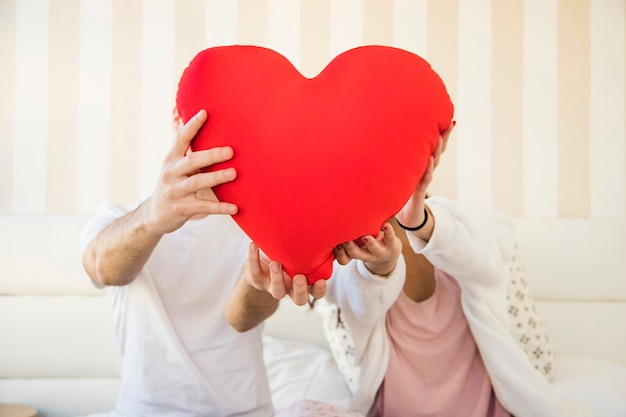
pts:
[320, 161]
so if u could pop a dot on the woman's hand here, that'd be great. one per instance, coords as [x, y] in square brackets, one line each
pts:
[414, 213]
[379, 254]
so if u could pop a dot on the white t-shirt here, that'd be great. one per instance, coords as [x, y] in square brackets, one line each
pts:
[179, 356]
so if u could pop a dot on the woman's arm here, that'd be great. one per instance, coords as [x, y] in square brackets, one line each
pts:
[468, 244]
[368, 279]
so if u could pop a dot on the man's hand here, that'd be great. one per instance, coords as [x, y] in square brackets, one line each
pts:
[379, 254]
[262, 285]
[184, 189]
[263, 274]
[117, 254]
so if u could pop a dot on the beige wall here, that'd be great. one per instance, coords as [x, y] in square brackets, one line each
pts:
[87, 88]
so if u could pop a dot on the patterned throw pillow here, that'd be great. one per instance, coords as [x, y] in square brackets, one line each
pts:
[340, 340]
[527, 327]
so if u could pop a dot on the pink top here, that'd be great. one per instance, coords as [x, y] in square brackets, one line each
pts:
[435, 368]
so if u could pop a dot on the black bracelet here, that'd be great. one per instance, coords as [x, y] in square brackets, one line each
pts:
[415, 229]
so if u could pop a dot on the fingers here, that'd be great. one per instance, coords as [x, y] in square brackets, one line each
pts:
[177, 121]
[379, 254]
[206, 180]
[438, 151]
[188, 163]
[318, 289]
[200, 159]
[442, 143]
[428, 176]
[379, 246]
[202, 206]
[255, 277]
[354, 251]
[446, 135]
[198, 186]
[300, 291]
[414, 207]
[413, 210]
[341, 256]
[371, 248]
[194, 205]
[277, 285]
[184, 188]
[204, 201]
[449, 129]
[195, 162]
[264, 274]
[254, 260]
[187, 133]
[388, 234]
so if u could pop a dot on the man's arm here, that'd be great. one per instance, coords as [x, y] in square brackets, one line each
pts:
[249, 307]
[117, 254]
[262, 285]
[263, 282]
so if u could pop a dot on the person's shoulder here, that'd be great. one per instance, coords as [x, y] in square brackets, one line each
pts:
[111, 210]
[102, 217]
[469, 208]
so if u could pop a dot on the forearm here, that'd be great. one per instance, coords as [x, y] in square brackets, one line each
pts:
[249, 307]
[381, 269]
[367, 296]
[117, 254]
[468, 244]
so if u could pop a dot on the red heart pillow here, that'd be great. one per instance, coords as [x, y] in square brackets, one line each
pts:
[320, 161]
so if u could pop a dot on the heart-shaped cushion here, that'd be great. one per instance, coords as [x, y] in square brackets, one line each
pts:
[320, 161]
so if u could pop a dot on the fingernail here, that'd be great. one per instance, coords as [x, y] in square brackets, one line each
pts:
[299, 281]
[275, 267]
[226, 151]
[199, 114]
[232, 209]
[229, 174]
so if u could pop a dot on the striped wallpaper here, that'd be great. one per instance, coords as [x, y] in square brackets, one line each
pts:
[87, 89]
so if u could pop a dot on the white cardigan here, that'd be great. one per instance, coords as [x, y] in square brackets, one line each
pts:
[475, 249]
